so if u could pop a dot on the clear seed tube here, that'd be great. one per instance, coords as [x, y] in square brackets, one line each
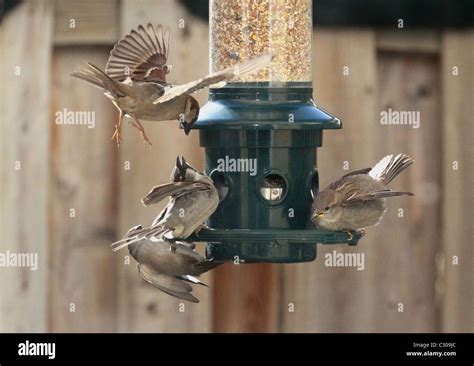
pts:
[240, 29]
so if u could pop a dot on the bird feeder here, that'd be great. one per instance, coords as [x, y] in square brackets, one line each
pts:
[261, 134]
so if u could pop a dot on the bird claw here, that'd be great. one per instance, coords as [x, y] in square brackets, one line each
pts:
[145, 139]
[117, 136]
[351, 236]
[199, 228]
[173, 247]
[360, 232]
[136, 123]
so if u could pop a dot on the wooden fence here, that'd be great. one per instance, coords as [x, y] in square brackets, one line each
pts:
[418, 274]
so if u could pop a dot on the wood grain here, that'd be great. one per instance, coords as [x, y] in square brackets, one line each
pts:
[408, 260]
[406, 247]
[86, 22]
[457, 283]
[400, 253]
[425, 41]
[143, 308]
[246, 298]
[331, 299]
[24, 138]
[83, 178]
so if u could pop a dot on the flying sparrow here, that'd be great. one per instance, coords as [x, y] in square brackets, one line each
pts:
[193, 198]
[358, 199]
[135, 80]
[171, 272]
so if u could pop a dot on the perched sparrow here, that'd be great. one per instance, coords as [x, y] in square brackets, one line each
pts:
[193, 198]
[135, 80]
[357, 200]
[169, 271]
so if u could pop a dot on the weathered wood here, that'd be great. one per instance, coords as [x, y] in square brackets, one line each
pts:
[457, 285]
[24, 139]
[338, 299]
[83, 179]
[400, 252]
[143, 308]
[246, 298]
[408, 260]
[86, 22]
[404, 40]
[407, 246]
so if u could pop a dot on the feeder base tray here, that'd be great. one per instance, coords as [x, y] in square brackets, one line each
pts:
[272, 246]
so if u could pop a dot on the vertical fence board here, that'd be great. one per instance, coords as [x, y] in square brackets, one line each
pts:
[246, 298]
[406, 247]
[86, 22]
[83, 178]
[142, 307]
[357, 74]
[25, 138]
[400, 253]
[458, 283]
[338, 299]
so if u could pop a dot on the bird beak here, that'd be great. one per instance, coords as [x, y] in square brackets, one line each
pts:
[317, 214]
[186, 127]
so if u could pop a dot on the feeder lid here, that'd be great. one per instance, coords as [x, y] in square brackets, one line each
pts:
[253, 106]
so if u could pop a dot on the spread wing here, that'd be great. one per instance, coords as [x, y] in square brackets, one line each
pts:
[162, 191]
[141, 54]
[168, 284]
[218, 78]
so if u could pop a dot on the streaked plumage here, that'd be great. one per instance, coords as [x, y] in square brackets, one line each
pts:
[135, 80]
[358, 199]
[170, 271]
[193, 198]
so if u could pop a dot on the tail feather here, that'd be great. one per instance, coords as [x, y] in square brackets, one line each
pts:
[139, 235]
[192, 279]
[95, 76]
[390, 167]
[89, 78]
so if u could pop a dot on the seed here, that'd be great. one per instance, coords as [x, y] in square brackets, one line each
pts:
[283, 27]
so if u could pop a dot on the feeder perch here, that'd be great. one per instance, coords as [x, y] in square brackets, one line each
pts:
[268, 119]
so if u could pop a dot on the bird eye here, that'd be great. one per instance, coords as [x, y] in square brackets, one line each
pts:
[326, 208]
[166, 68]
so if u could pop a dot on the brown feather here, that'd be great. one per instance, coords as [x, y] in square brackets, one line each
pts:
[143, 52]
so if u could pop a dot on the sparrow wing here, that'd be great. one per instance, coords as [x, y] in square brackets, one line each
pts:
[168, 284]
[334, 185]
[141, 55]
[207, 265]
[175, 189]
[353, 193]
[217, 79]
[367, 196]
[194, 260]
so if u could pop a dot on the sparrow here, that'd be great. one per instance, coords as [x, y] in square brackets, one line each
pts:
[358, 199]
[171, 272]
[193, 198]
[135, 80]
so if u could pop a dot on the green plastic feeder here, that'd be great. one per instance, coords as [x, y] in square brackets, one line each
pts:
[260, 138]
